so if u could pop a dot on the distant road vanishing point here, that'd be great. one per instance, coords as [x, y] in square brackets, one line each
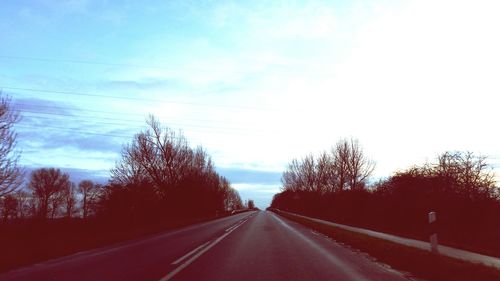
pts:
[258, 245]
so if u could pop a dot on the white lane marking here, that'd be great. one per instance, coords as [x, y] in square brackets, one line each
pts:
[236, 225]
[232, 227]
[108, 249]
[341, 265]
[190, 253]
[171, 274]
[315, 233]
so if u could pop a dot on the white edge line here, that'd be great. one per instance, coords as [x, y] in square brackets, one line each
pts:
[189, 254]
[340, 264]
[193, 258]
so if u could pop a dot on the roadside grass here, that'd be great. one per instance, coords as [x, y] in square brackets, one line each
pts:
[420, 263]
[28, 242]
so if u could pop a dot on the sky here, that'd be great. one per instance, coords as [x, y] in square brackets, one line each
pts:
[256, 83]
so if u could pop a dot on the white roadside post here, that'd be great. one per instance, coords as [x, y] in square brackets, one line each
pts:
[433, 236]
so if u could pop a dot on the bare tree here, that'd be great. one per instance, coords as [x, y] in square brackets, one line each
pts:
[69, 195]
[346, 167]
[25, 202]
[157, 155]
[251, 204]
[48, 186]
[160, 164]
[352, 167]
[341, 155]
[232, 200]
[308, 173]
[10, 174]
[468, 173]
[300, 175]
[90, 194]
[9, 207]
[359, 167]
[128, 170]
[326, 178]
[291, 178]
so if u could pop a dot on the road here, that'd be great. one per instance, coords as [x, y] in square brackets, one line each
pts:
[248, 246]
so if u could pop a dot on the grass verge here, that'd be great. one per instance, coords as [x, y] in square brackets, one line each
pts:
[420, 263]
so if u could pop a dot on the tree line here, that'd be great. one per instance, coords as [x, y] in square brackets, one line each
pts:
[158, 176]
[50, 194]
[459, 186]
[343, 167]
[159, 183]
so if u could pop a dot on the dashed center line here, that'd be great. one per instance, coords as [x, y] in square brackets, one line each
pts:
[200, 250]
[189, 254]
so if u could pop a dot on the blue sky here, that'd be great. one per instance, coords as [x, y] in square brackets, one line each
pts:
[257, 83]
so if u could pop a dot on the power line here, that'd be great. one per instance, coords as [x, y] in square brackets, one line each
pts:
[85, 132]
[74, 130]
[130, 98]
[86, 94]
[93, 122]
[79, 116]
[143, 116]
[81, 62]
[225, 130]
[71, 109]
[131, 65]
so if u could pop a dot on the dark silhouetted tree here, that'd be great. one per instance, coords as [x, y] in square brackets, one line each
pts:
[292, 176]
[48, 186]
[467, 173]
[10, 173]
[251, 204]
[158, 155]
[90, 193]
[9, 207]
[232, 200]
[352, 167]
[302, 175]
[325, 175]
[345, 168]
[173, 177]
[70, 200]
[459, 186]
[341, 155]
[359, 167]
[26, 204]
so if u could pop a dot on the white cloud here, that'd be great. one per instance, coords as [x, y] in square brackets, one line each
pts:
[409, 79]
[424, 80]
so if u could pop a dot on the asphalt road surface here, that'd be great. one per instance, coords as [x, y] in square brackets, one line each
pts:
[248, 246]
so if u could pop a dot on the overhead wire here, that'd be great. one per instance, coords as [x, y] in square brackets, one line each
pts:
[114, 64]
[92, 122]
[80, 62]
[76, 117]
[71, 109]
[134, 65]
[225, 130]
[131, 65]
[23, 106]
[132, 98]
[74, 129]
[85, 132]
